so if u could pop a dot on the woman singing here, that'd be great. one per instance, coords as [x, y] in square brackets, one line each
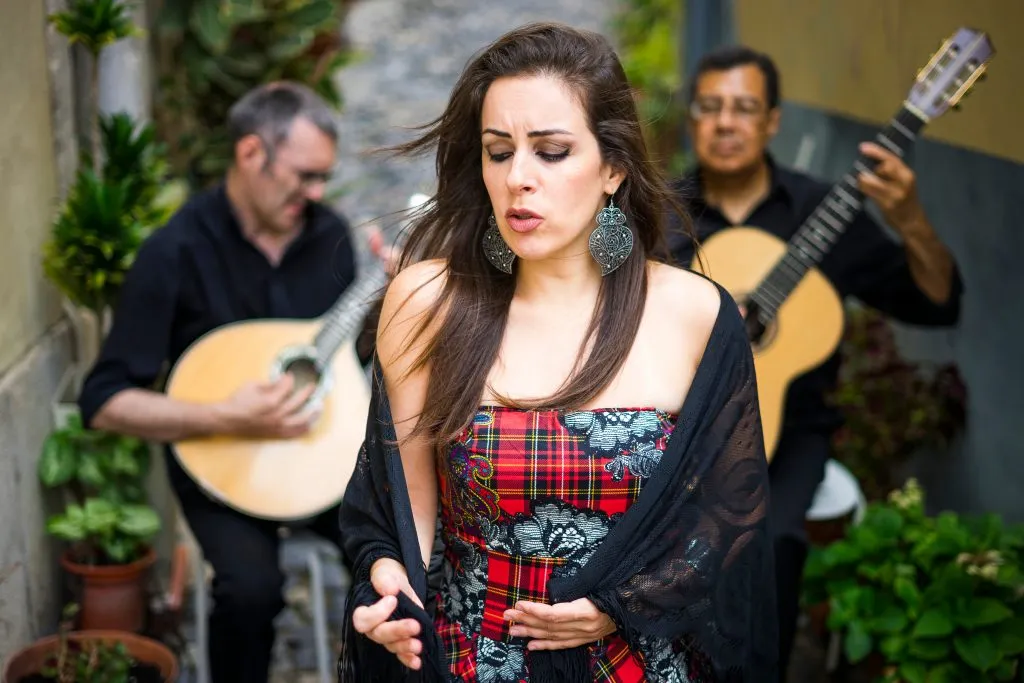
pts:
[581, 417]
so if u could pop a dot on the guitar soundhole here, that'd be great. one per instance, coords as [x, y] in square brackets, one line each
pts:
[759, 333]
[755, 328]
[304, 371]
[301, 363]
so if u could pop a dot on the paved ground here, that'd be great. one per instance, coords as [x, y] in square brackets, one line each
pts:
[411, 54]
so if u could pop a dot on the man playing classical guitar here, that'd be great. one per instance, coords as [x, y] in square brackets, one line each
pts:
[259, 245]
[734, 113]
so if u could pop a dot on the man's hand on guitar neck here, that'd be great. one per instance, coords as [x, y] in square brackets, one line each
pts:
[893, 186]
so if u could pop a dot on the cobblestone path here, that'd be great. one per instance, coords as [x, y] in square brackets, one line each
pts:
[411, 53]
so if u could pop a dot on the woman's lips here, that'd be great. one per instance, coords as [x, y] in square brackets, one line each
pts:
[522, 220]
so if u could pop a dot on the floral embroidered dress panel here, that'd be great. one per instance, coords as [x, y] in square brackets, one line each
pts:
[530, 494]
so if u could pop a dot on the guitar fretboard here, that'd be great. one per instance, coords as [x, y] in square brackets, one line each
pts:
[344, 317]
[830, 219]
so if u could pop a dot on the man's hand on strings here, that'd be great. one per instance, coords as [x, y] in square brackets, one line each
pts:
[560, 626]
[271, 409]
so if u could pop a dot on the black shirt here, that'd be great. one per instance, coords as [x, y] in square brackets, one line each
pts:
[865, 263]
[197, 273]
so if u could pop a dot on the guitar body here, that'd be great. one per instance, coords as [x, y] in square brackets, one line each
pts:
[805, 331]
[276, 479]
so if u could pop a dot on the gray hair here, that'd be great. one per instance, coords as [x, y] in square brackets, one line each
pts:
[270, 109]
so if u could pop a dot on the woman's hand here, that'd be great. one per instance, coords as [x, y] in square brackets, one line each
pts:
[389, 578]
[560, 626]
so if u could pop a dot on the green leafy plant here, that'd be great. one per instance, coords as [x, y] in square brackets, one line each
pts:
[91, 661]
[137, 161]
[106, 518]
[940, 599]
[214, 51]
[121, 191]
[107, 215]
[94, 24]
[648, 37]
[891, 407]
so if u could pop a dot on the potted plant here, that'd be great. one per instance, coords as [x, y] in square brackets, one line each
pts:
[120, 194]
[106, 521]
[925, 599]
[892, 408]
[91, 657]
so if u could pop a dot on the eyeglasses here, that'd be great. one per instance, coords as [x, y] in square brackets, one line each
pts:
[306, 178]
[713, 108]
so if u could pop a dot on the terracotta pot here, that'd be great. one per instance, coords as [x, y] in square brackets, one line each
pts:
[30, 660]
[113, 596]
[873, 667]
[818, 615]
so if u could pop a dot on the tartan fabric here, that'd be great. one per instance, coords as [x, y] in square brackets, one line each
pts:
[530, 494]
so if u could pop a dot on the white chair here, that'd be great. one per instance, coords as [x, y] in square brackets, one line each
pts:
[315, 551]
[838, 494]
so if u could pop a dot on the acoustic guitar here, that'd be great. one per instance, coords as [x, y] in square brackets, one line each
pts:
[794, 315]
[285, 480]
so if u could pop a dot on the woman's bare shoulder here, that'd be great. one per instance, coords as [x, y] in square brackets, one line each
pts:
[409, 301]
[417, 286]
[686, 297]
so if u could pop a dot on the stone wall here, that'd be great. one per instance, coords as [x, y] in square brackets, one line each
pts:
[38, 154]
[38, 161]
[30, 579]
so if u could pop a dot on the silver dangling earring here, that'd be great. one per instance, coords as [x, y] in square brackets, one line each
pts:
[496, 249]
[611, 243]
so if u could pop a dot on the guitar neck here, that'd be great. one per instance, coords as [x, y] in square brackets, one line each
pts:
[343, 319]
[826, 225]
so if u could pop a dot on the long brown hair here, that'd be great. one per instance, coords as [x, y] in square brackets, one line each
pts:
[475, 299]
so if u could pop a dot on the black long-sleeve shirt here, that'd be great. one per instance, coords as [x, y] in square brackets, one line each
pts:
[199, 272]
[865, 264]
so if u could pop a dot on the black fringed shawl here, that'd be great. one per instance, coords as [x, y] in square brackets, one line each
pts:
[689, 560]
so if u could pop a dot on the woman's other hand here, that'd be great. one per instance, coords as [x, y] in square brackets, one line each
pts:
[560, 626]
[389, 578]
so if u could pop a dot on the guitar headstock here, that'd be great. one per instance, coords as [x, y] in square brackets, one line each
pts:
[951, 72]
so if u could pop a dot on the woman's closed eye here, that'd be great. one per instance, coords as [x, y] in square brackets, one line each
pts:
[553, 155]
[550, 155]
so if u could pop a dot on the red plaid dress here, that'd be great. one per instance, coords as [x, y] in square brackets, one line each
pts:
[528, 494]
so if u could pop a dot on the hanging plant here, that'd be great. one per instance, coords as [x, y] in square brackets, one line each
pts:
[212, 52]
[647, 32]
[892, 408]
